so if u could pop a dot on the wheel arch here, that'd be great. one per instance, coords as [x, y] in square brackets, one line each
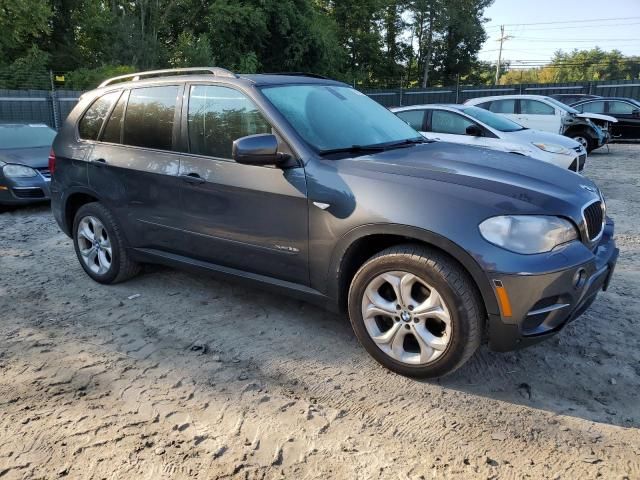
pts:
[363, 242]
[75, 199]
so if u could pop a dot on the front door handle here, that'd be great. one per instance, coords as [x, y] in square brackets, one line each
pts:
[99, 162]
[192, 178]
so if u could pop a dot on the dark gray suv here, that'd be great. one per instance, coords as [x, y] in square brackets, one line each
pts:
[306, 185]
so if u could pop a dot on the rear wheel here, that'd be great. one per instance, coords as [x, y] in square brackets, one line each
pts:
[100, 246]
[415, 311]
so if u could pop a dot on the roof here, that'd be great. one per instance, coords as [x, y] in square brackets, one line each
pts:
[626, 99]
[454, 106]
[277, 79]
[253, 79]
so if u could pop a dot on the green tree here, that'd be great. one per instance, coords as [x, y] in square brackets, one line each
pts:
[22, 23]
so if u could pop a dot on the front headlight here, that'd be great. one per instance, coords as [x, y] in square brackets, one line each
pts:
[17, 171]
[528, 234]
[551, 148]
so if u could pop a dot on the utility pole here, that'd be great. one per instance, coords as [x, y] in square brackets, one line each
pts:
[502, 39]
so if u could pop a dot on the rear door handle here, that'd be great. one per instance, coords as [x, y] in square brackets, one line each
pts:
[99, 161]
[192, 177]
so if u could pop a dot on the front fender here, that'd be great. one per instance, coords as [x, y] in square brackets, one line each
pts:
[411, 233]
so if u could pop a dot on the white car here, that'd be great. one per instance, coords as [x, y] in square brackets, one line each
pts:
[549, 115]
[475, 126]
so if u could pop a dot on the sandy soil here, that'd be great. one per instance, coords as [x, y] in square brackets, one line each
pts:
[202, 378]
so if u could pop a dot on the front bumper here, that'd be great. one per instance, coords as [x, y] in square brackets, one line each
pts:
[24, 191]
[541, 305]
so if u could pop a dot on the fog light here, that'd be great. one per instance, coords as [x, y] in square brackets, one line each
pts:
[579, 278]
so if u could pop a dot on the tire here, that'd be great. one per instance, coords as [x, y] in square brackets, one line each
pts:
[422, 271]
[111, 262]
[585, 140]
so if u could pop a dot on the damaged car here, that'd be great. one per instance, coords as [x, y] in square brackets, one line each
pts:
[550, 115]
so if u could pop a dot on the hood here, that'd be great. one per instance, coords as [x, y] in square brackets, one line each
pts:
[36, 157]
[544, 187]
[537, 136]
[597, 116]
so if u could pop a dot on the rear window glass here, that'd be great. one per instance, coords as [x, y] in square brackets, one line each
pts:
[150, 116]
[503, 106]
[415, 118]
[91, 122]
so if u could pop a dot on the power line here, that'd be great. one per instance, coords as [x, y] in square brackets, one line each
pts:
[567, 21]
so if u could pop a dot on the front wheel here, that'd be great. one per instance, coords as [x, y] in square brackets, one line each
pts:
[585, 141]
[415, 311]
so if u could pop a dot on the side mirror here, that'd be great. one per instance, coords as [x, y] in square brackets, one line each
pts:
[259, 149]
[474, 131]
[636, 112]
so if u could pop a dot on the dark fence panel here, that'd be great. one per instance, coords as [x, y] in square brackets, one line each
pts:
[460, 93]
[37, 106]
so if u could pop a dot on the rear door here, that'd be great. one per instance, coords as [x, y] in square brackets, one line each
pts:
[628, 126]
[252, 218]
[539, 116]
[134, 167]
[506, 107]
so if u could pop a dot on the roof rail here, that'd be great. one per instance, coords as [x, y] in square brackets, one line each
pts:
[220, 72]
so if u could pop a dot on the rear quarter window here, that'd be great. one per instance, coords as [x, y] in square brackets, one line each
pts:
[91, 122]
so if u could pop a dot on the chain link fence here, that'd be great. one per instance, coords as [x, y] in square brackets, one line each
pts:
[47, 97]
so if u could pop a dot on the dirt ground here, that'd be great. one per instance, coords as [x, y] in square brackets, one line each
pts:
[201, 378]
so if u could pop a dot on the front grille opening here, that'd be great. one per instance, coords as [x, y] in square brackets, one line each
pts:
[28, 192]
[546, 302]
[593, 216]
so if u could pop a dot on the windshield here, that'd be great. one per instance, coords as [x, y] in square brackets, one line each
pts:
[26, 136]
[331, 117]
[494, 120]
[562, 106]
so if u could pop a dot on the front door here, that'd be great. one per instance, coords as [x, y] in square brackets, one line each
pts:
[539, 116]
[252, 218]
[628, 115]
[452, 127]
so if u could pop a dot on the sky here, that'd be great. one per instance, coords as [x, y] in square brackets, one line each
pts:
[581, 24]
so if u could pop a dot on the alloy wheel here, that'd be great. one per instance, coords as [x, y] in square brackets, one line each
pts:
[406, 317]
[94, 245]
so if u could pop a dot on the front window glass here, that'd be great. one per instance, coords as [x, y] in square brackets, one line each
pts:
[91, 122]
[534, 107]
[621, 108]
[149, 118]
[498, 122]
[218, 116]
[414, 118]
[26, 136]
[561, 105]
[334, 117]
[503, 106]
[449, 122]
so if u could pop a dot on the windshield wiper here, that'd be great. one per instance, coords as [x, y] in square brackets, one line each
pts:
[407, 142]
[354, 149]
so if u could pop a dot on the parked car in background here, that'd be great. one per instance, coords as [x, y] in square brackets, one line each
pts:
[24, 171]
[308, 186]
[481, 128]
[550, 115]
[625, 110]
[570, 98]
